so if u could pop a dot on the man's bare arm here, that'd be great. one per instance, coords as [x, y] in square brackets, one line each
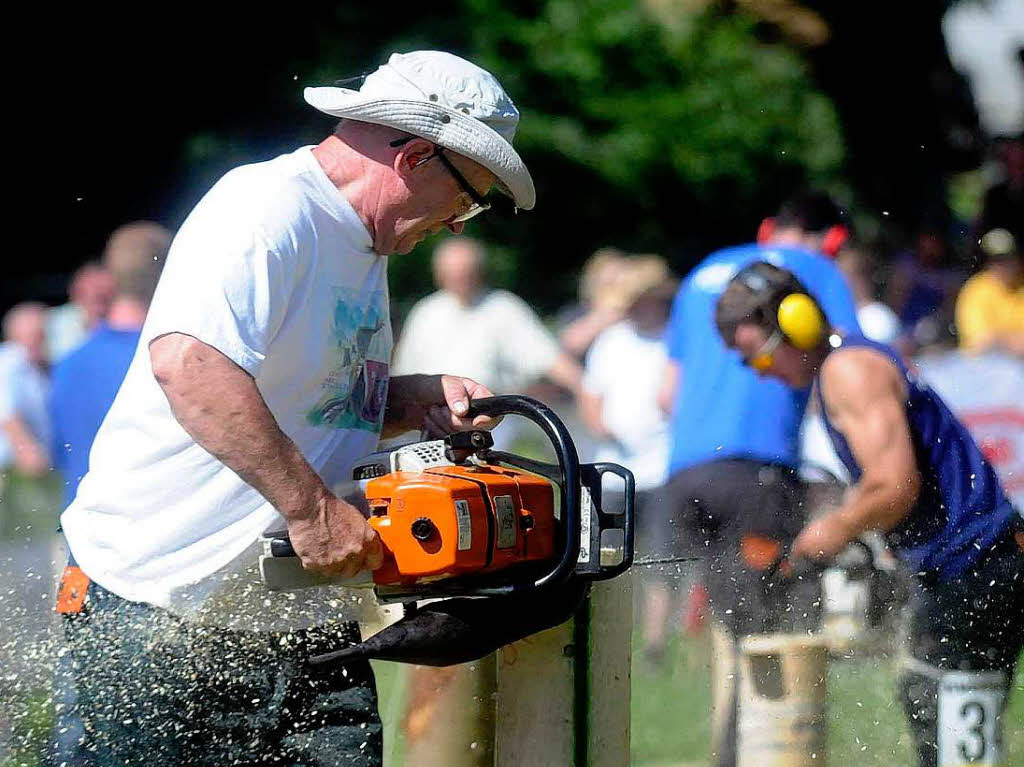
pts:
[589, 405]
[566, 372]
[219, 405]
[864, 394]
[436, 403]
[29, 456]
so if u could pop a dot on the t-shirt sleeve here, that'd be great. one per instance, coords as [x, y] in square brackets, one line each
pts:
[836, 299]
[226, 286]
[528, 347]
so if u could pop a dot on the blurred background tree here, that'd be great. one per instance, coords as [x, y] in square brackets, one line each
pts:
[656, 125]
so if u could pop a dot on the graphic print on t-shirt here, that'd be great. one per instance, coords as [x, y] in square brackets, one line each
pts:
[354, 392]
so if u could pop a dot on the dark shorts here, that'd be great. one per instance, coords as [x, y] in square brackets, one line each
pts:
[974, 621]
[968, 623]
[152, 689]
[709, 509]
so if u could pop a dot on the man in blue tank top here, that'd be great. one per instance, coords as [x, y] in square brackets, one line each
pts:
[919, 477]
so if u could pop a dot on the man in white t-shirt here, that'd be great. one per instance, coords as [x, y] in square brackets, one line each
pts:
[260, 378]
[491, 336]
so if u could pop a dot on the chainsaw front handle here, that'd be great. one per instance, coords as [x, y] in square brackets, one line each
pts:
[568, 483]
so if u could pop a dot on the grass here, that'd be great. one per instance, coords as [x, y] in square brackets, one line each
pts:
[671, 725]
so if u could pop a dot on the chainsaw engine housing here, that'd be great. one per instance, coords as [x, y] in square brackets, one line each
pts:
[458, 520]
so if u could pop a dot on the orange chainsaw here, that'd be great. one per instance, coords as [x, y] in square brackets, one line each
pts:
[458, 518]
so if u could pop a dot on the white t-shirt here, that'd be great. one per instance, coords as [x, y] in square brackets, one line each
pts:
[625, 370]
[497, 341]
[274, 269]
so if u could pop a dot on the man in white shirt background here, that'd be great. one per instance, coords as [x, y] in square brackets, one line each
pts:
[487, 334]
[261, 376]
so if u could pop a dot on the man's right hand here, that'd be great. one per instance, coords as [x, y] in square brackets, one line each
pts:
[335, 539]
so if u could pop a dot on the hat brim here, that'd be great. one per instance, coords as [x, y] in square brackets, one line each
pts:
[444, 126]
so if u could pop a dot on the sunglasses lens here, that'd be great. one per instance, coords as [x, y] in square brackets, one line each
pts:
[475, 210]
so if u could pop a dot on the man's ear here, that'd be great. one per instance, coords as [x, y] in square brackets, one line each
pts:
[412, 154]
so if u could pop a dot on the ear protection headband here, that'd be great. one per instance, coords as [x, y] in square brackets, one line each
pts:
[797, 317]
[831, 242]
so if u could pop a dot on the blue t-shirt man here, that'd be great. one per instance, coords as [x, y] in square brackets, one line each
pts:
[721, 408]
[83, 388]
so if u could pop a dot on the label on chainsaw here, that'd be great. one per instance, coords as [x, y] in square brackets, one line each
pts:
[586, 509]
[465, 524]
[505, 515]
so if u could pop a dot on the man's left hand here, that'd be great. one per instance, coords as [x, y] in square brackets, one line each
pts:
[442, 420]
[823, 538]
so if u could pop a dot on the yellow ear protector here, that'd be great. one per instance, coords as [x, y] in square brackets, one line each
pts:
[801, 321]
[798, 320]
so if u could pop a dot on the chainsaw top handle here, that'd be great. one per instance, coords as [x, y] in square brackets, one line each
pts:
[568, 483]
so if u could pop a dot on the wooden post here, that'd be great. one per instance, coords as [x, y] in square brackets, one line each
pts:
[561, 697]
[449, 715]
[723, 689]
[564, 694]
[782, 684]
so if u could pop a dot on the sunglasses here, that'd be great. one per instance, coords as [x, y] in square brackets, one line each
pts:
[478, 205]
[764, 357]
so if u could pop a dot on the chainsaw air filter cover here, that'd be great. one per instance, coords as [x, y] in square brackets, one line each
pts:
[460, 519]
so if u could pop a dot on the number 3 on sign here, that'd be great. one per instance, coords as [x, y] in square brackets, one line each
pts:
[969, 706]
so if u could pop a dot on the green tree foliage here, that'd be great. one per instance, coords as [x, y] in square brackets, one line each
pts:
[646, 125]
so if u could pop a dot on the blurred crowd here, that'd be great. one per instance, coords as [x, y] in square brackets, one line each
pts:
[958, 284]
[61, 367]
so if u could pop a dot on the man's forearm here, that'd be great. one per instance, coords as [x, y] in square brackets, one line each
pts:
[565, 372]
[30, 456]
[409, 397]
[220, 406]
[875, 505]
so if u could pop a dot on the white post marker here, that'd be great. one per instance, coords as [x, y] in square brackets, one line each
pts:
[969, 730]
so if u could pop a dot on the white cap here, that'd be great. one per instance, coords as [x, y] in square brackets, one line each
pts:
[444, 99]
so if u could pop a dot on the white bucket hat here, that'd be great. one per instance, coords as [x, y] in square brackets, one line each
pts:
[446, 100]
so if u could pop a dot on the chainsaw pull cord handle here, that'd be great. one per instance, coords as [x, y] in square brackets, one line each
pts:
[569, 482]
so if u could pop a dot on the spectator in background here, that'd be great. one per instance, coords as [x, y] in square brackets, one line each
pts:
[618, 403]
[600, 301]
[877, 320]
[25, 492]
[990, 307]
[470, 330]
[90, 293]
[24, 423]
[734, 452]
[922, 289]
[1003, 207]
[86, 380]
